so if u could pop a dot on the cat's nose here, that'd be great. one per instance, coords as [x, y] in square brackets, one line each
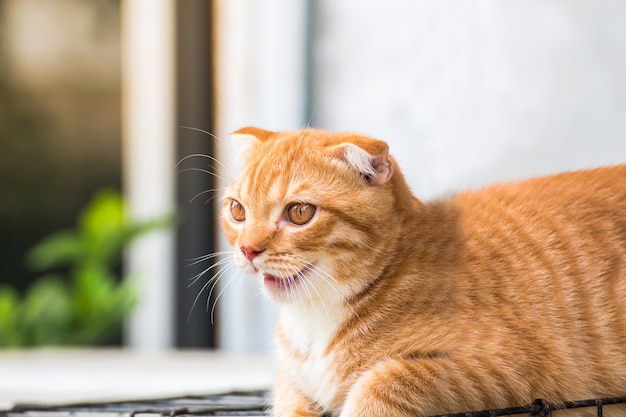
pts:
[250, 252]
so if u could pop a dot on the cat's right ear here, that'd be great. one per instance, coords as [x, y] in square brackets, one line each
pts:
[249, 136]
[369, 156]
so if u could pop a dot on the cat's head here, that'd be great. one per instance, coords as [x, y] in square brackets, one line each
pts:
[313, 213]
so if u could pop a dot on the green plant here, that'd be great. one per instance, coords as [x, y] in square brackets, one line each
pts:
[86, 302]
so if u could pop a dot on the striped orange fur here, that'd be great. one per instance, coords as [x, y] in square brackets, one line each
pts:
[395, 307]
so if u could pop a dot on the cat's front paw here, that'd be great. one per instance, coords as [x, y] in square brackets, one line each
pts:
[395, 388]
[289, 402]
[295, 409]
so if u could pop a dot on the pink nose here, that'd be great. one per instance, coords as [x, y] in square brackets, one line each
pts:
[250, 252]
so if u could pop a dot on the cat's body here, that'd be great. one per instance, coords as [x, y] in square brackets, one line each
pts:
[394, 307]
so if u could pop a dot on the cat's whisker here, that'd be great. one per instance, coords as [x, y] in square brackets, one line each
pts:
[225, 264]
[293, 294]
[200, 170]
[299, 275]
[195, 278]
[213, 190]
[210, 167]
[195, 301]
[329, 279]
[301, 294]
[199, 259]
[211, 199]
[306, 281]
[292, 287]
[221, 291]
[201, 155]
[206, 132]
[306, 284]
[218, 275]
[223, 168]
[322, 274]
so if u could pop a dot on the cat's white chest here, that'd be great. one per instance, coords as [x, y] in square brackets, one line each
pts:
[308, 332]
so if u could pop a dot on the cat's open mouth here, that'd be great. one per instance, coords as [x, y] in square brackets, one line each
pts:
[277, 283]
[284, 283]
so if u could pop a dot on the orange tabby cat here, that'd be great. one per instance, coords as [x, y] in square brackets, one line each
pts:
[395, 307]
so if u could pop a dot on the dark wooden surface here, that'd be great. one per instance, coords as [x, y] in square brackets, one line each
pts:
[256, 404]
[251, 404]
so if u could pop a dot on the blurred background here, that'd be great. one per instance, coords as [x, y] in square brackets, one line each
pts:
[105, 106]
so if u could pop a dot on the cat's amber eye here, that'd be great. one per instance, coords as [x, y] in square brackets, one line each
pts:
[237, 212]
[300, 213]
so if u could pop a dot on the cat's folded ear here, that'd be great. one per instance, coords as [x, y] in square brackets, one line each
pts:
[247, 137]
[368, 156]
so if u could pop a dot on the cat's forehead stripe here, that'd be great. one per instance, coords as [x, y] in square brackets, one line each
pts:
[253, 179]
[268, 174]
[300, 190]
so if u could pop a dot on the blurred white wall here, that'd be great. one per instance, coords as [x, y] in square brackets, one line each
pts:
[465, 92]
[468, 92]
